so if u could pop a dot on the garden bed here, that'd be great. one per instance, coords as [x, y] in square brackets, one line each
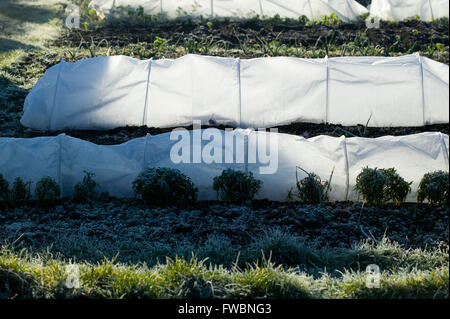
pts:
[329, 245]
[307, 130]
[403, 36]
[139, 233]
[254, 38]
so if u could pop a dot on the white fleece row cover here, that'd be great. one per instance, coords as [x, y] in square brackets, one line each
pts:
[109, 92]
[313, 9]
[399, 10]
[65, 158]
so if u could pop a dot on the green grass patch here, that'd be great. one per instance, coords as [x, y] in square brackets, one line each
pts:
[23, 275]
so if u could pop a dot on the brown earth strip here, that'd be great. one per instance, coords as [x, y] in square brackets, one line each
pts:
[403, 36]
[128, 222]
[307, 130]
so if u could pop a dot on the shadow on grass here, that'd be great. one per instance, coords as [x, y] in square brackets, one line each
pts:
[11, 95]
[11, 103]
[21, 12]
[7, 45]
[17, 19]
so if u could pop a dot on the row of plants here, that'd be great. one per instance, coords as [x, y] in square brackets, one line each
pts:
[166, 186]
[324, 46]
[47, 191]
[378, 186]
[210, 45]
[91, 18]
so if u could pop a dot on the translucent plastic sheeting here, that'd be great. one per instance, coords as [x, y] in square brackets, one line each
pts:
[399, 10]
[109, 92]
[65, 158]
[313, 9]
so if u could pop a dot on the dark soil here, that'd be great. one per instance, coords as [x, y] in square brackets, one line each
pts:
[307, 130]
[398, 37]
[364, 2]
[119, 221]
[310, 130]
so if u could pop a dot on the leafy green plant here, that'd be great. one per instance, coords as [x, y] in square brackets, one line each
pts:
[160, 44]
[85, 191]
[236, 187]
[396, 188]
[47, 191]
[370, 184]
[331, 20]
[311, 189]
[379, 186]
[20, 191]
[434, 188]
[165, 186]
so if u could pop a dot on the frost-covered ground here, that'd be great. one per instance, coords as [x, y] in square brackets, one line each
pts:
[317, 239]
[139, 233]
[210, 250]
[26, 24]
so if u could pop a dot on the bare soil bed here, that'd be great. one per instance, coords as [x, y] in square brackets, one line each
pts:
[104, 228]
[403, 36]
[307, 130]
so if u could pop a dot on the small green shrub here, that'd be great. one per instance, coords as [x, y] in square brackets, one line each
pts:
[85, 191]
[4, 189]
[434, 188]
[47, 191]
[311, 189]
[165, 186]
[20, 192]
[236, 187]
[370, 184]
[396, 188]
[379, 186]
